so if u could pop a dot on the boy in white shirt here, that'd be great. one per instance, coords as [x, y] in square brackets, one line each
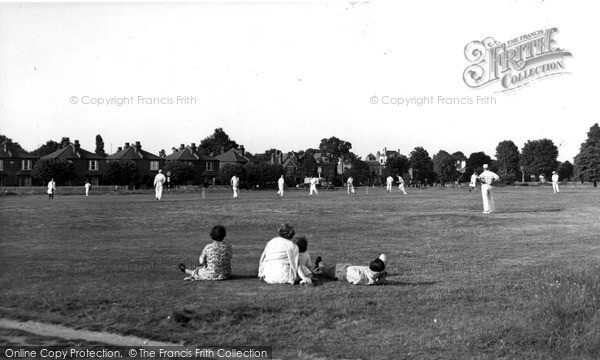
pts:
[374, 274]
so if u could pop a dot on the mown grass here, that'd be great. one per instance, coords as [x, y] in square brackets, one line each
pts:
[522, 283]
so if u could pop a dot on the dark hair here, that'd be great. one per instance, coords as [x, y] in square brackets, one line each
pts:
[218, 233]
[301, 242]
[377, 265]
[286, 231]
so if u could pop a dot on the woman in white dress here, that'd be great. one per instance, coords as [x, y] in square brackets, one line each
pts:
[279, 261]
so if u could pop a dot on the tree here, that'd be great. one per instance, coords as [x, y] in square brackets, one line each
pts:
[180, 172]
[507, 161]
[308, 162]
[10, 141]
[538, 157]
[48, 148]
[422, 166]
[227, 171]
[565, 171]
[100, 146]
[359, 171]
[64, 142]
[219, 142]
[263, 175]
[334, 148]
[587, 162]
[476, 161]
[121, 172]
[162, 153]
[444, 166]
[398, 165]
[60, 170]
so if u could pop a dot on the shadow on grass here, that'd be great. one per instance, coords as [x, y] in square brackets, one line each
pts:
[409, 283]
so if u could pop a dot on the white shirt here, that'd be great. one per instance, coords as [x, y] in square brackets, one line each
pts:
[361, 275]
[350, 181]
[235, 181]
[159, 179]
[400, 180]
[281, 182]
[87, 185]
[313, 181]
[390, 180]
[487, 177]
[473, 179]
[51, 185]
[555, 178]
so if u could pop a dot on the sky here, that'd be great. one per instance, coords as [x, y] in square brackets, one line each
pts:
[287, 74]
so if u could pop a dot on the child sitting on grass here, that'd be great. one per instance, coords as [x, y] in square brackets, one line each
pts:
[215, 260]
[304, 273]
[374, 274]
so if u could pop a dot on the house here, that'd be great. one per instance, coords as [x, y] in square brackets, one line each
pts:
[206, 166]
[15, 165]
[235, 156]
[387, 154]
[294, 172]
[376, 170]
[88, 165]
[148, 164]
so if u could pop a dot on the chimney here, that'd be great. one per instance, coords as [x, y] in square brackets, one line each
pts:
[272, 158]
[242, 150]
[119, 149]
[76, 144]
[138, 145]
[182, 146]
[280, 158]
[194, 148]
[384, 151]
[174, 149]
[126, 145]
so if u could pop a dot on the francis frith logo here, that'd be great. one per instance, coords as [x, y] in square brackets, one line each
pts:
[516, 62]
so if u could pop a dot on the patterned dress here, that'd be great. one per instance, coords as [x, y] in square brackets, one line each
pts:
[215, 262]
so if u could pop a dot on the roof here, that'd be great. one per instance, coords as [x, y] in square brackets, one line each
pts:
[73, 151]
[187, 154]
[372, 163]
[232, 156]
[8, 151]
[133, 153]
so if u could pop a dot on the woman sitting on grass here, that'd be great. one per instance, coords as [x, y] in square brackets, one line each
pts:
[279, 261]
[215, 260]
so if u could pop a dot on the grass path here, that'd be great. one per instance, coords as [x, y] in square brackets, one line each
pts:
[52, 331]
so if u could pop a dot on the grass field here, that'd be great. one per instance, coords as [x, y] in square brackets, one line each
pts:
[521, 283]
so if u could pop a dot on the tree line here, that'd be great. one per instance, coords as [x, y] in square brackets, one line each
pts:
[537, 157]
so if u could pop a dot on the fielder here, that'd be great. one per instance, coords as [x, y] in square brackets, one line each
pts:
[280, 184]
[87, 187]
[159, 180]
[401, 184]
[313, 186]
[235, 184]
[487, 178]
[389, 181]
[555, 182]
[473, 184]
[51, 189]
[350, 184]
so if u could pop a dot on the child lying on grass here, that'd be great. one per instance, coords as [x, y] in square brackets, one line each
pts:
[374, 274]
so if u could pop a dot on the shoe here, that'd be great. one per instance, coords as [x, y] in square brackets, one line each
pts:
[182, 267]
